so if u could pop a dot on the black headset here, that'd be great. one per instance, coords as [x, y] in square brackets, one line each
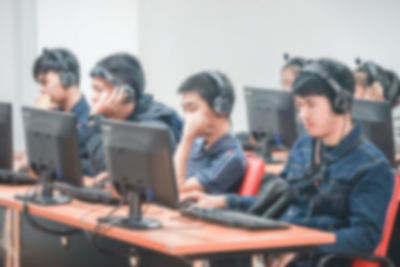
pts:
[104, 73]
[343, 98]
[394, 87]
[67, 77]
[222, 103]
[372, 72]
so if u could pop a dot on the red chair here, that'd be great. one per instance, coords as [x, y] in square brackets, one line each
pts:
[379, 257]
[253, 176]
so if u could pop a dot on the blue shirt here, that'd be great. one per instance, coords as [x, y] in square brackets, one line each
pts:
[81, 110]
[351, 197]
[219, 168]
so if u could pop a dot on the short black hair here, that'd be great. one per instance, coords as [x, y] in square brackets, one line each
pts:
[126, 68]
[294, 63]
[297, 62]
[205, 85]
[58, 60]
[308, 83]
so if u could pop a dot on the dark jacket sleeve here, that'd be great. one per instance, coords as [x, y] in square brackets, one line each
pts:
[368, 203]
[236, 202]
[243, 203]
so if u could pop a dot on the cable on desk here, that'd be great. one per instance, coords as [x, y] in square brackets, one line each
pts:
[95, 237]
[35, 224]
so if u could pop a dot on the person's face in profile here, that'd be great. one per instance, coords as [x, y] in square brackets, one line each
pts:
[51, 86]
[101, 88]
[288, 75]
[195, 108]
[317, 116]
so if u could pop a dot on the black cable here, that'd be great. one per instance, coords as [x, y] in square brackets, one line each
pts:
[98, 233]
[35, 224]
[95, 237]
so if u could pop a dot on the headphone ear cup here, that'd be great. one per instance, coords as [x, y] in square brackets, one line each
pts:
[67, 79]
[222, 106]
[130, 93]
[342, 104]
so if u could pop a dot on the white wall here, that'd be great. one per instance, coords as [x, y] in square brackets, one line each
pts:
[17, 50]
[91, 29]
[175, 38]
[246, 39]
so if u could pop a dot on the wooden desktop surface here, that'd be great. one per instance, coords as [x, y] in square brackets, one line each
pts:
[179, 235]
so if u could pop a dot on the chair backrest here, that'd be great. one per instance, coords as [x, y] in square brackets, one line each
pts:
[253, 176]
[391, 213]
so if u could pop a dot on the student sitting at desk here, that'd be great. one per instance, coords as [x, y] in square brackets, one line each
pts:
[340, 181]
[118, 93]
[209, 157]
[57, 72]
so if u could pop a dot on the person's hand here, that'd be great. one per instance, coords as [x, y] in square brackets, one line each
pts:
[195, 124]
[204, 200]
[97, 180]
[375, 92]
[113, 105]
[20, 161]
[280, 260]
[44, 101]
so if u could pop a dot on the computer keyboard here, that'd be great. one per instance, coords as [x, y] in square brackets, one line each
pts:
[17, 178]
[232, 218]
[87, 194]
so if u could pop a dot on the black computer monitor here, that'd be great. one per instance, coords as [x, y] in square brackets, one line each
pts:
[376, 121]
[52, 148]
[6, 142]
[271, 118]
[138, 158]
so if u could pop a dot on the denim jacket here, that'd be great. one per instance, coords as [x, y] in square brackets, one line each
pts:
[349, 198]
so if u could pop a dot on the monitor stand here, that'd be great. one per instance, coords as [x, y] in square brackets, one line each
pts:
[134, 220]
[46, 196]
[267, 148]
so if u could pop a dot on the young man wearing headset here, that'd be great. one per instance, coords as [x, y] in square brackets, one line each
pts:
[118, 83]
[209, 157]
[343, 183]
[57, 72]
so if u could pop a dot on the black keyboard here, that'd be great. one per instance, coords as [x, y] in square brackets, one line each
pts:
[13, 177]
[87, 194]
[232, 218]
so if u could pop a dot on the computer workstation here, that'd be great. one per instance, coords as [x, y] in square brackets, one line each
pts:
[148, 139]
[138, 158]
[271, 120]
[53, 153]
[271, 113]
[7, 175]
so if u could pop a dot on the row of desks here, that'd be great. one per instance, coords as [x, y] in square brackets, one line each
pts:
[179, 236]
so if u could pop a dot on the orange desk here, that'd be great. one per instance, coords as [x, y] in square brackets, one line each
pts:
[179, 237]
